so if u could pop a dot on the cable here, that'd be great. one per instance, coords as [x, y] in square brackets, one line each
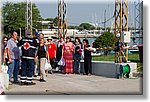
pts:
[107, 20]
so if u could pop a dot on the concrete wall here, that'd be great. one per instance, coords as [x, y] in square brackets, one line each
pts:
[107, 69]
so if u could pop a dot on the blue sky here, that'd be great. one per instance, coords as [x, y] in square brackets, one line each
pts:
[79, 11]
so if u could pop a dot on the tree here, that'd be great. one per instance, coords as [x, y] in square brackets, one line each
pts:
[72, 27]
[49, 19]
[14, 16]
[105, 40]
[86, 26]
[54, 20]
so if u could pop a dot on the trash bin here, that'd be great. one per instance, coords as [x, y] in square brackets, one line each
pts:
[141, 53]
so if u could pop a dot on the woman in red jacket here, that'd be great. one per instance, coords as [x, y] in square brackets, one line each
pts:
[52, 53]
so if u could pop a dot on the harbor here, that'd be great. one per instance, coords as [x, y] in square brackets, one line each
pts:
[68, 48]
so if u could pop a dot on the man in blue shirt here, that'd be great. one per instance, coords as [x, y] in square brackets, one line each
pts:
[13, 57]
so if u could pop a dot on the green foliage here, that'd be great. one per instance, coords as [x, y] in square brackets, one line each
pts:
[72, 27]
[49, 19]
[105, 40]
[14, 16]
[110, 57]
[86, 26]
[54, 20]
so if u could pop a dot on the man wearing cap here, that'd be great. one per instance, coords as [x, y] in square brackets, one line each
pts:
[28, 45]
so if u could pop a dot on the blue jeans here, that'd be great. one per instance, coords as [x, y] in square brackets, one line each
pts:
[27, 70]
[77, 59]
[13, 69]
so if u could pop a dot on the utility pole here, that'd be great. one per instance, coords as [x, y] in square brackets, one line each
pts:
[138, 22]
[20, 33]
[105, 20]
[62, 19]
[121, 25]
[29, 16]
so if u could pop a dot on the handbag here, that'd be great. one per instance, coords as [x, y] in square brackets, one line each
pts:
[1, 89]
[47, 66]
[4, 77]
[61, 62]
[4, 68]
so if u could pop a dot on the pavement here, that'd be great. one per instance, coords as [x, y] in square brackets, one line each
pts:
[61, 84]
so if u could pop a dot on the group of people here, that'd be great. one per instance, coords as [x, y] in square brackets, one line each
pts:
[32, 53]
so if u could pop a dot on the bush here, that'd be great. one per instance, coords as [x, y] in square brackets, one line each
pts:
[107, 39]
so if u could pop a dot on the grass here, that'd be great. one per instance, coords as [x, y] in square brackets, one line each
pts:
[104, 58]
[132, 58]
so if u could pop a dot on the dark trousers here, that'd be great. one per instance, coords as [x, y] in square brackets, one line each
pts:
[27, 70]
[53, 63]
[77, 59]
[87, 66]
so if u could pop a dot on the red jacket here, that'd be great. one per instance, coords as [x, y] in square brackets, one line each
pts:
[52, 50]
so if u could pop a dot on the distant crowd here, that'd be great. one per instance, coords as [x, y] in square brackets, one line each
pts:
[36, 56]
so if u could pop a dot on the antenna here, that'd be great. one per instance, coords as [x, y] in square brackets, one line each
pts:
[29, 16]
[105, 20]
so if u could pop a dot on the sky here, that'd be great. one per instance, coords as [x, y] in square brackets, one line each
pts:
[79, 11]
[76, 13]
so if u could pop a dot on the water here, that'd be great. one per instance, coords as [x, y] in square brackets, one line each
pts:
[138, 39]
[91, 40]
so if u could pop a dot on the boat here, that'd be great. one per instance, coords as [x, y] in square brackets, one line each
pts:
[134, 51]
[97, 53]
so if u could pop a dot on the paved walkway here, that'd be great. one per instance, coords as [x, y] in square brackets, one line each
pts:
[79, 84]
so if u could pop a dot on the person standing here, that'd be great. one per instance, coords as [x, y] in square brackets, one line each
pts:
[59, 49]
[87, 58]
[38, 37]
[13, 57]
[52, 53]
[59, 52]
[77, 55]
[42, 51]
[41, 36]
[68, 48]
[36, 69]
[4, 51]
[28, 59]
